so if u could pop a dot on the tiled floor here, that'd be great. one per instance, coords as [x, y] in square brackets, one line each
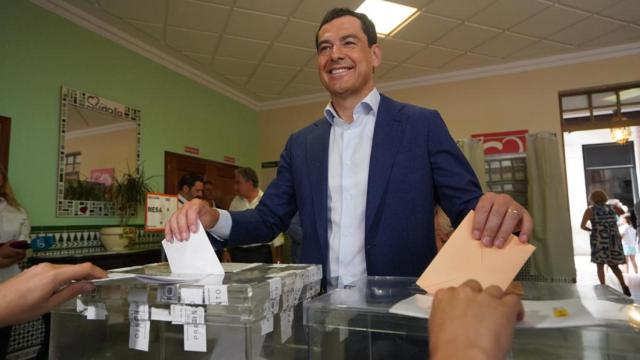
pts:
[586, 274]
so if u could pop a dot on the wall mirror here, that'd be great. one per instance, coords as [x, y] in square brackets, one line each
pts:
[99, 140]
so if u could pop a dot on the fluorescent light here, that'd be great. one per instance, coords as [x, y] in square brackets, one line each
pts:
[386, 15]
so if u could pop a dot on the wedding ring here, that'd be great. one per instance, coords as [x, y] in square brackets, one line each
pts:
[514, 212]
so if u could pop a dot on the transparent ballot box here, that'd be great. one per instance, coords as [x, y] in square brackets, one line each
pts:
[253, 312]
[355, 323]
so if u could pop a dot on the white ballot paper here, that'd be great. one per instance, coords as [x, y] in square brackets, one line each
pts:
[194, 256]
[538, 314]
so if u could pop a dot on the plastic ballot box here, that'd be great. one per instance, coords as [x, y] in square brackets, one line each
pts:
[254, 311]
[562, 321]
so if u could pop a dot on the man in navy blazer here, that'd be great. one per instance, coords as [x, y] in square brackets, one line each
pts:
[410, 164]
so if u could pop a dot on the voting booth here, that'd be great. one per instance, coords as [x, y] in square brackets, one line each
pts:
[252, 312]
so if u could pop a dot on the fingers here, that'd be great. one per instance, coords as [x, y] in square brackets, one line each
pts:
[483, 208]
[497, 216]
[67, 293]
[509, 223]
[473, 284]
[183, 229]
[63, 274]
[192, 218]
[168, 233]
[514, 303]
[494, 220]
[494, 291]
[185, 220]
[526, 227]
[173, 225]
[12, 253]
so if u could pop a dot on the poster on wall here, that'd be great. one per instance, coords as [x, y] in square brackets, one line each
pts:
[505, 142]
[102, 176]
[158, 210]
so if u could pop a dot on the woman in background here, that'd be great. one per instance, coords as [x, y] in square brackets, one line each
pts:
[14, 226]
[606, 244]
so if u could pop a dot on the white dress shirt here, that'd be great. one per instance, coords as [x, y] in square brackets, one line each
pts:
[349, 155]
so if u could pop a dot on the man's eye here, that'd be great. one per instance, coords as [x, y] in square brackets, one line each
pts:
[323, 49]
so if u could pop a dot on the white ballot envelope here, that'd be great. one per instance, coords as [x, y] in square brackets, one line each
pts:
[194, 256]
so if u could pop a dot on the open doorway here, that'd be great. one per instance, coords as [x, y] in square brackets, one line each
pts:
[601, 132]
[593, 162]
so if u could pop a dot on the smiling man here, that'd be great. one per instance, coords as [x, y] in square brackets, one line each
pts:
[365, 178]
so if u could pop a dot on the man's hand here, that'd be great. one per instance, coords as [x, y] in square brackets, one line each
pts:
[185, 220]
[42, 287]
[10, 255]
[497, 217]
[469, 323]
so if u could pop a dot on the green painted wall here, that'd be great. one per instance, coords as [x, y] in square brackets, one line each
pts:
[40, 51]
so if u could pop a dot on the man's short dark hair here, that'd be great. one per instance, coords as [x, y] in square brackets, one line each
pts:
[189, 180]
[248, 174]
[367, 25]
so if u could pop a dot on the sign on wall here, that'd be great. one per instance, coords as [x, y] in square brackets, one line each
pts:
[159, 208]
[506, 142]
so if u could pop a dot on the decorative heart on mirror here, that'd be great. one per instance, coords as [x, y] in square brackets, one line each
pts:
[83, 209]
[93, 100]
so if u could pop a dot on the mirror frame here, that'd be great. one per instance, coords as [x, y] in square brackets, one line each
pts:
[74, 97]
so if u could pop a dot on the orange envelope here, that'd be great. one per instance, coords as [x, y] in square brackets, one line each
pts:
[463, 258]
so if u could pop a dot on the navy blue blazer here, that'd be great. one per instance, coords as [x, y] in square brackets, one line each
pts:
[414, 165]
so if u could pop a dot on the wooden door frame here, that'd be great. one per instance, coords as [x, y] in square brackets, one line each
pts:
[5, 134]
[221, 174]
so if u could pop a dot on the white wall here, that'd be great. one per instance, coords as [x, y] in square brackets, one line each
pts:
[575, 177]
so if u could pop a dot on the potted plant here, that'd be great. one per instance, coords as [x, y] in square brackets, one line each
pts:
[128, 193]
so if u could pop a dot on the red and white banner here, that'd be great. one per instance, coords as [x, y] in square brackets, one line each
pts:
[506, 142]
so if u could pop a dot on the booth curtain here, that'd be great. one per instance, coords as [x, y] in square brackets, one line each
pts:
[549, 206]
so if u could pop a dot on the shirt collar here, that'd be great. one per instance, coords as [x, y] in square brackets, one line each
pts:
[369, 104]
[255, 200]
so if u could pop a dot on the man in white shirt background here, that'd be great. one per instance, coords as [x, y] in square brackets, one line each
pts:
[248, 196]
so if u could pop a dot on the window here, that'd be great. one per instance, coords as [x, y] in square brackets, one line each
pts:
[598, 108]
[72, 166]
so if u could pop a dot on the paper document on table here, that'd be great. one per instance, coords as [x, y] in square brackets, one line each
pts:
[463, 258]
[556, 314]
[537, 314]
[417, 306]
[194, 256]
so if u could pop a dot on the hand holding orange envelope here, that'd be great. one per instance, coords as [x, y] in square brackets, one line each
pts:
[463, 258]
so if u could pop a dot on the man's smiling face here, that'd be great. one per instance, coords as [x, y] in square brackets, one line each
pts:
[345, 60]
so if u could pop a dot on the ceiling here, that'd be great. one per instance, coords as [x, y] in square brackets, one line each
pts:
[263, 51]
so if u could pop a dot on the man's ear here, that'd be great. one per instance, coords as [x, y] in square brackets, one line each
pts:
[376, 54]
[185, 189]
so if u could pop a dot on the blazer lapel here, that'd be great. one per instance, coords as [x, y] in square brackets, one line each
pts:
[387, 137]
[318, 168]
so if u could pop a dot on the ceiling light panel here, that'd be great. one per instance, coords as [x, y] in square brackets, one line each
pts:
[386, 15]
